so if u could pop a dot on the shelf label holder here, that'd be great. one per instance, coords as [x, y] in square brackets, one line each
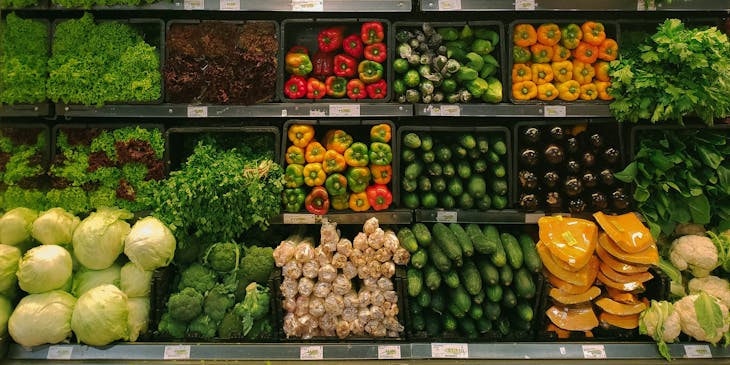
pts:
[197, 111]
[449, 5]
[447, 216]
[307, 5]
[59, 353]
[176, 352]
[594, 351]
[525, 5]
[194, 4]
[697, 352]
[449, 351]
[311, 353]
[389, 352]
[344, 110]
[230, 4]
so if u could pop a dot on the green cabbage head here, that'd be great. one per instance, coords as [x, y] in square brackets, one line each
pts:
[44, 268]
[86, 279]
[55, 227]
[15, 226]
[100, 316]
[150, 244]
[42, 318]
[99, 239]
[9, 257]
[135, 282]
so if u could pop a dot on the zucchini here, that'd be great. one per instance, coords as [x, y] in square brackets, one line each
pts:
[422, 234]
[470, 277]
[532, 259]
[509, 299]
[448, 242]
[415, 282]
[503, 326]
[419, 259]
[524, 311]
[438, 258]
[481, 244]
[407, 240]
[461, 298]
[492, 311]
[480, 297]
[451, 279]
[498, 257]
[489, 272]
[450, 323]
[468, 328]
[512, 249]
[494, 293]
[523, 284]
[424, 298]
[505, 275]
[418, 323]
[484, 325]
[438, 302]
[432, 277]
[463, 239]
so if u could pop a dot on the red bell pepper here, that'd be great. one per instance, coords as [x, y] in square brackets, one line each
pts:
[376, 52]
[330, 39]
[356, 89]
[379, 196]
[345, 66]
[317, 202]
[353, 46]
[372, 32]
[323, 64]
[295, 87]
[336, 86]
[316, 89]
[377, 90]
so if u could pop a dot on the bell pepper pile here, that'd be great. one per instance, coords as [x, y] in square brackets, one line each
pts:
[568, 62]
[342, 66]
[337, 172]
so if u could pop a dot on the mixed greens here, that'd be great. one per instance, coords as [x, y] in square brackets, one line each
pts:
[23, 57]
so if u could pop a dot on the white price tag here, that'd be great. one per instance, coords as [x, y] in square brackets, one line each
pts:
[642, 5]
[307, 5]
[562, 350]
[194, 4]
[434, 110]
[230, 4]
[447, 216]
[344, 110]
[388, 352]
[296, 218]
[525, 5]
[697, 352]
[450, 350]
[284, 112]
[531, 218]
[317, 113]
[177, 352]
[197, 111]
[311, 353]
[59, 353]
[449, 5]
[555, 111]
[594, 352]
[450, 110]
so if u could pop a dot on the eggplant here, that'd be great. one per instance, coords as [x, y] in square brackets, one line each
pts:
[528, 202]
[576, 205]
[572, 146]
[553, 201]
[557, 133]
[611, 155]
[588, 159]
[573, 167]
[599, 201]
[531, 135]
[596, 140]
[554, 154]
[620, 199]
[607, 177]
[529, 157]
[551, 179]
[572, 186]
[589, 179]
[528, 180]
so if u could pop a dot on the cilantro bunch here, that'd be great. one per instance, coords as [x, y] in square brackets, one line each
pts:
[23, 57]
[675, 73]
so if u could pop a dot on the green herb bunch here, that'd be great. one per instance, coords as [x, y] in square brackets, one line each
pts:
[23, 58]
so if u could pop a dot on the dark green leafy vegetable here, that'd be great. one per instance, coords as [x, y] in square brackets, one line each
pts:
[23, 57]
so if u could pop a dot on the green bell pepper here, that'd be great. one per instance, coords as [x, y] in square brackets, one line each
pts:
[477, 87]
[370, 71]
[466, 74]
[482, 47]
[466, 33]
[487, 70]
[448, 33]
[340, 202]
[380, 154]
[293, 199]
[358, 179]
[486, 34]
[494, 91]
[475, 62]
[449, 86]
[336, 184]
[357, 155]
[521, 54]
[294, 176]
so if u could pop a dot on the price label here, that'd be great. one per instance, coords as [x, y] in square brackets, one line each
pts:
[388, 352]
[563, 351]
[450, 350]
[555, 111]
[642, 5]
[525, 5]
[290, 218]
[450, 110]
[344, 110]
[317, 113]
[230, 4]
[594, 352]
[194, 5]
[311, 353]
[697, 352]
[197, 111]
[447, 216]
[59, 353]
[284, 112]
[177, 352]
[307, 5]
[449, 5]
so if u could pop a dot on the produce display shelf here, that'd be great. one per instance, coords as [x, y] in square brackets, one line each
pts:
[513, 110]
[25, 110]
[507, 216]
[572, 5]
[394, 216]
[273, 110]
[275, 5]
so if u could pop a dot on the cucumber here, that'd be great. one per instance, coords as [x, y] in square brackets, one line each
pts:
[448, 169]
[447, 201]
[443, 154]
[418, 323]
[477, 187]
[432, 277]
[424, 298]
[409, 185]
[429, 200]
[524, 311]
[463, 169]
[482, 144]
[470, 277]
[455, 187]
[466, 201]
[499, 170]
[505, 275]
[407, 240]
[450, 323]
[503, 326]
[426, 142]
[439, 259]
[499, 147]
[413, 170]
[434, 169]
[438, 184]
[433, 325]
[468, 141]
[448, 243]
[492, 157]
[424, 184]
[499, 186]
[422, 234]
[410, 200]
[489, 272]
[408, 155]
[438, 302]
[415, 282]
[463, 239]
[484, 203]
[461, 298]
[415, 308]
[428, 157]
[419, 258]
[458, 151]
[451, 279]
[492, 311]
[480, 166]
[532, 259]
[480, 297]
[473, 153]
[498, 257]
[481, 244]
[411, 140]
[476, 312]
[509, 299]
[518, 324]
[455, 310]
[484, 325]
[512, 249]
[494, 293]
[523, 284]
[499, 202]
[468, 328]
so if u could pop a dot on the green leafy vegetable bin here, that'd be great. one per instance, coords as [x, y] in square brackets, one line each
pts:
[23, 58]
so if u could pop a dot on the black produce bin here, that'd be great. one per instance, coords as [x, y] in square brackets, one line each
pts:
[448, 136]
[304, 32]
[499, 51]
[612, 135]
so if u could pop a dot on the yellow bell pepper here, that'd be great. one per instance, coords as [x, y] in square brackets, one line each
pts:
[541, 73]
[569, 90]
[524, 90]
[560, 53]
[562, 71]
[588, 92]
[300, 134]
[314, 152]
[583, 72]
[547, 91]
[521, 72]
[601, 68]
[602, 87]
[359, 202]
[314, 175]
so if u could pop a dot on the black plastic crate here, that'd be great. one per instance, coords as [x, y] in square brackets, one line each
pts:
[450, 135]
[612, 31]
[499, 51]
[304, 32]
[613, 136]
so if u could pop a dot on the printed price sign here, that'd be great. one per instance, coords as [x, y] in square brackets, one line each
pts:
[388, 352]
[344, 110]
[194, 5]
[450, 350]
[525, 5]
[177, 352]
[59, 353]
[447, 216]
[449, 5]
[555, 111]
[230, 4]
[450, 110]
[299, 218]
[317, 113]
[697, 352]
[197, 111]
[594, 352]
[307, 5]
[311, 353]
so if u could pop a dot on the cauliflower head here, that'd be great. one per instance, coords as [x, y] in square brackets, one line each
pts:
[703, 317]
[713, 285]
[185, 305]
[198, 277]
[696, 253]
[662, 323]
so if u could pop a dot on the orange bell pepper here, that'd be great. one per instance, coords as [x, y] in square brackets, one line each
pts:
[300, 134]
[541, 53]
[521, 72]
[593, 32]
[583, 72]
[333, 162]
[295, 155]
[588, 92]
[569, 90]
[560, 53]
[608, 50]
[601, 68]
[562, 71]
[541, 73]
[314, 174]
[337, 139]
[314, 152]
[602, 87]
[548, 34]
[381, 174]
[585, 53]
[525, 35]
[359, 202]
[524, 90]
[547, 92]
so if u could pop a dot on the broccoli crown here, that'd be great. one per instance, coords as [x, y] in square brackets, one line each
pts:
[230, 326]
[203, 326]
[185, 305]
[223, 257]
[262, 329]
[198, 277]
[217, 302]
[171, 326]
[254, 306]
[257, 264]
